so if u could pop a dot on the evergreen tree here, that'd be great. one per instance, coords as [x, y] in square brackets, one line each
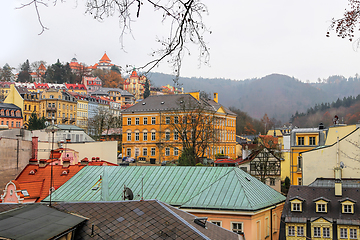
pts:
[35, 123]
[6, 74]
[147, 89]
[24, 74]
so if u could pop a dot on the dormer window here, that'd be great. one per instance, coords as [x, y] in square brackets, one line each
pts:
[321, 204]
[347, 205]
[296, 204]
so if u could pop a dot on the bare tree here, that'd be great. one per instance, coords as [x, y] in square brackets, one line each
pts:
[185, 20]
[346, 26]
[193, 125]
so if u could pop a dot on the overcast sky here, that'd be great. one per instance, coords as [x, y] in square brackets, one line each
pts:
[249, 38]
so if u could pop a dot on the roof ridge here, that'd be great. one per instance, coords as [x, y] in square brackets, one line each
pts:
[182, 220]
[245, 193]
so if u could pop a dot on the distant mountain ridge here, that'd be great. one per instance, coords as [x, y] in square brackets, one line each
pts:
[279, 96]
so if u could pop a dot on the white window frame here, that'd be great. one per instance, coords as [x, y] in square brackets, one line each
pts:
[291, 231]
[145, 152]
[326, 232]
[317, 233]
[344, 233]
[167, 120]
[128, 136]
[167, 151]
[153, 120]
[137, 136]
[128, 121]
[153, 136]
[300, 231]
[145, 120]
[153, 151]
[237, 229]
[137, 121]
[176, 151]
[145, 136]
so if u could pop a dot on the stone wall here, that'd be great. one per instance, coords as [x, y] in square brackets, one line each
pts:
[14, 156]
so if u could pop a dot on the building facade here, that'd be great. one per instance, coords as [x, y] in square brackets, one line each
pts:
[151, 132]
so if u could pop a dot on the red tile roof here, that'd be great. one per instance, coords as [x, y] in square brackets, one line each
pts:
[105, 58]
[134, 74]
[36, 180]
[42, 67]
[75, 86]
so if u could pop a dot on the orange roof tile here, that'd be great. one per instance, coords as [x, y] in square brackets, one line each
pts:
[134, 74]
[42, 67]
[105, 58]
[41, 178]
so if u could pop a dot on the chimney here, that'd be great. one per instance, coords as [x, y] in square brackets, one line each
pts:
[34, 150]
[338, 184]
[42, 163]
[216, 97]
[85, 161]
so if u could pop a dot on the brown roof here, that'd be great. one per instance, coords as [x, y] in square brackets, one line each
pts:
[148, 219]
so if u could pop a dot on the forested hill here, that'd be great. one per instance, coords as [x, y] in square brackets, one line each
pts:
[277, 95]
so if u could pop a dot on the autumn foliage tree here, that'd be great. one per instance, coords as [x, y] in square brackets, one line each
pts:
[111, 79]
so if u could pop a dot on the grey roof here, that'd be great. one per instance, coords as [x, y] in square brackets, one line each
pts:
[330, 183]
[9, 106]
[151, 219]
[174, 102]
[310, 193]
[105, 92]
[306, 130]
[22, 90]
[69, 127]
[36, 221]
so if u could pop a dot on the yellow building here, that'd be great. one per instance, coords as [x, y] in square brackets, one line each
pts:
[323, 210]
[58, 105]
[151, 128]
[283, 135]
[82, 110]
[303, 139]
[135, 84]
[341, 154]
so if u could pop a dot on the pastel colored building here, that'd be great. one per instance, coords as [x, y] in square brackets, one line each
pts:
[135, 84]
[150, 133]
[326, 209]
[10, 115]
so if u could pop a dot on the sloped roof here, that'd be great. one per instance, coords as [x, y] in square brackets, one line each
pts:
[121, 220]
[167, 103]
[105, 58]
[172, 185]
[36, 221]
[42, 67]
[310, 193]
[38, 184]
[105, 91]
[134, 74]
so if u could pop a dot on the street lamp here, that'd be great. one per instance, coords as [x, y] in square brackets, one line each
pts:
[52, 128]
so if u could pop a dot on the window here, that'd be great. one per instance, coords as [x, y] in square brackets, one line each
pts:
[153, 120]
[145, 152]
[153, 136]
[129, 136]
[272, 181]
[295, 207]
[145, 136]
[167, 151]
[176, 151]
[137, 136]
[347, 208]
[152, 151]
[321, 207]
[167, 135]
[129, 121]
[176, 119]
[145, 120]
[353, 233]
[176, 135]
[237, 227]
[317, 232]
[216, 223]
[299, 181]
[300, 231]
[300, 141]
[167, 120]
[291, 231]
[128, 152]
[326, 232]
[137, 121]
[343, 233]
[312, 141]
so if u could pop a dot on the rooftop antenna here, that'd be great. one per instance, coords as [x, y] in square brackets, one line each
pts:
[127, 194]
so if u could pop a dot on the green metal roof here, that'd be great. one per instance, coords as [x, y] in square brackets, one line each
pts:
[190, 187]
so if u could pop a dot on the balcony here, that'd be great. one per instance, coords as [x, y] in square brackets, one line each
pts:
[51, 109]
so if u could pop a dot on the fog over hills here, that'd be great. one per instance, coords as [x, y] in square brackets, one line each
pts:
[279, 96]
